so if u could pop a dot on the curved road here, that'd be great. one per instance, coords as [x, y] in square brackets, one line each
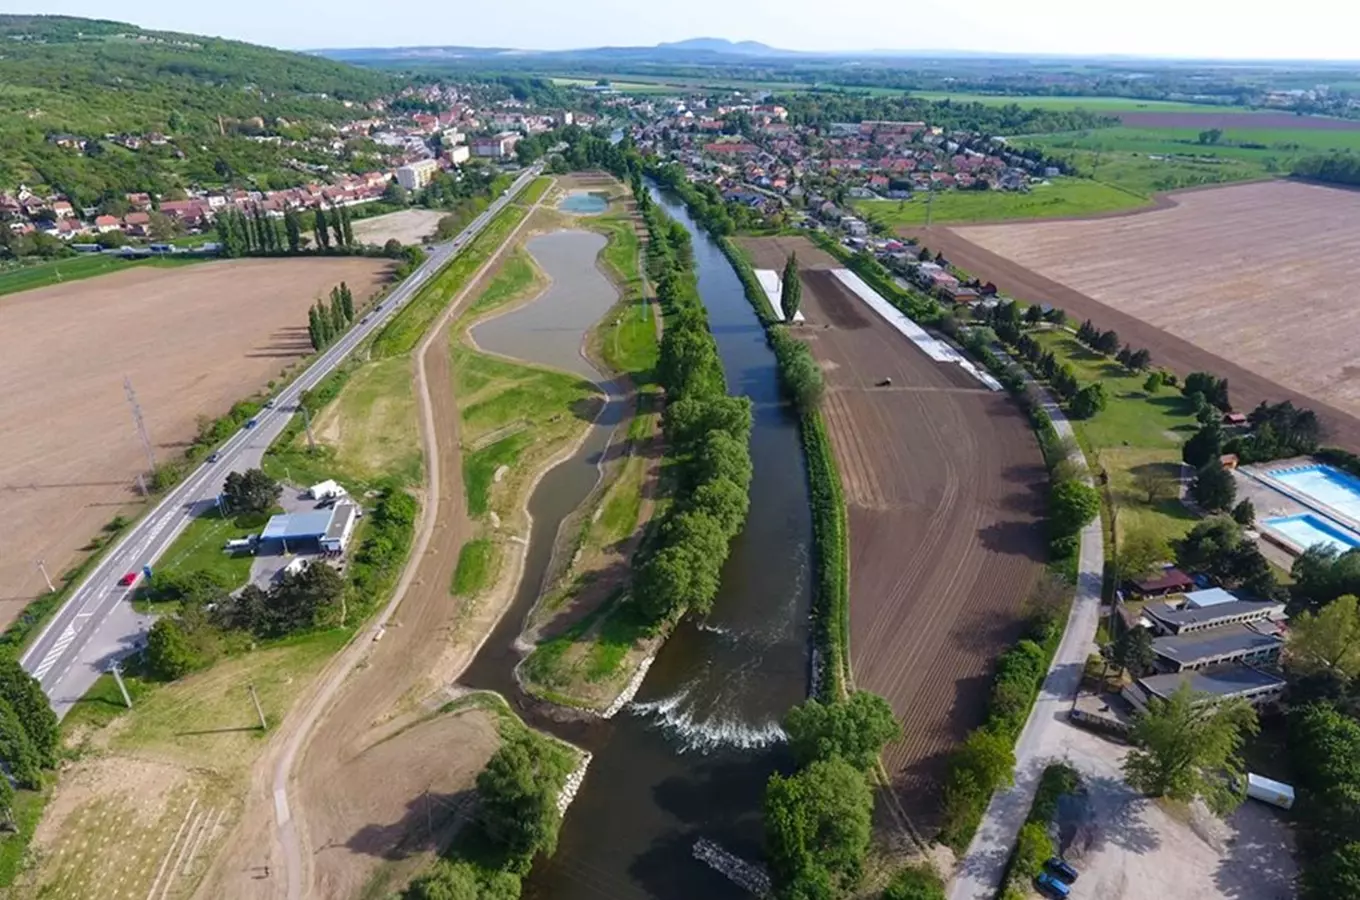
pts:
[97, 624]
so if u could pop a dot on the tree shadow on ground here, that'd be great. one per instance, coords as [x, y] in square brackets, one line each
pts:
[429, 819]
[1015, 538]
[1258, 863]
[1118, 818]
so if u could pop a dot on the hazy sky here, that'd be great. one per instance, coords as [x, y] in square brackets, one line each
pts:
[1306, 29]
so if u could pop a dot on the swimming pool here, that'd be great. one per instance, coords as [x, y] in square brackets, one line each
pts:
[1307, 529]
[1327, 487]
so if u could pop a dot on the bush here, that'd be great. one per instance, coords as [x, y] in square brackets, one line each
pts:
[1071, 506]
[915, 883]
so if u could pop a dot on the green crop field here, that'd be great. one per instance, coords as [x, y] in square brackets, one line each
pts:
[1261, 144]
[1064, 197]
[58, 271]
[1093, 104]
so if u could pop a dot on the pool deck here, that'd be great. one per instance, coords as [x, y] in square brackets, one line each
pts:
[1272, 499]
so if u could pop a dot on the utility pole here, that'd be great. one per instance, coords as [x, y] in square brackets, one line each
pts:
[264, 726]
[141, 485]
[140, 423]
[307, 423]
[118, 677]
[42, 567]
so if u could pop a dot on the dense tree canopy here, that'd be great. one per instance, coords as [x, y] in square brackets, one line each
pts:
[518, 792]
[854, 729]
[817, 826]
[251, 491]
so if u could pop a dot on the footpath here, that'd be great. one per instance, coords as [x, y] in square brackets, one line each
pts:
[980, 871]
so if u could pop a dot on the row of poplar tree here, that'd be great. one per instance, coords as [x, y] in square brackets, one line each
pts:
[328, 320]
[256, 234]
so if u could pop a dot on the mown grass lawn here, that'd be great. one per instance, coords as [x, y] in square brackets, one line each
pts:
[1063, 197]
[476, 567]
[199, 548]
[1135, 433]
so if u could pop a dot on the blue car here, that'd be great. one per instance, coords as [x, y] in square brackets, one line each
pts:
[1051, 887]
[1061, 868]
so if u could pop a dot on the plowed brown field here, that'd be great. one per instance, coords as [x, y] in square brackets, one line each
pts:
[944, 484]
[773, 252]
[1251, 282]
[193, 341]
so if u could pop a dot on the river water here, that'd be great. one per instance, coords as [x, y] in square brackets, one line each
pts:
[689, 758]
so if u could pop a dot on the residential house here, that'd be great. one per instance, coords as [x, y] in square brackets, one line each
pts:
[105, 224]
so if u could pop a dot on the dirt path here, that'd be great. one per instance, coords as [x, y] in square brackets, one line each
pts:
[367, 704]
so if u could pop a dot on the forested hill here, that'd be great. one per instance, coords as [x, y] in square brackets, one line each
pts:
[92, 78]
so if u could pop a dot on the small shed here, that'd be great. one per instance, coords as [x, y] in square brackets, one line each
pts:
[1169, 581]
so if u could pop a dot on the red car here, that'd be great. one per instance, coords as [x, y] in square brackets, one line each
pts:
[128, 580]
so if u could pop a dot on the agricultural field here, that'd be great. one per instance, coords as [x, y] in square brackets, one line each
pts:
[1060, 198]
[1110, 105]
[193, 341]
[944, 487]
[59, 271]
[1225, 271]
[1247, 139]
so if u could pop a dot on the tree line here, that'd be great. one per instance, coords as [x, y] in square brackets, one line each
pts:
[1334, 168]
[707, 434]
[29, 739]
[256, 233]
[327, 321]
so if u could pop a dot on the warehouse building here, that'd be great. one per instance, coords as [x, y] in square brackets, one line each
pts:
[327, 530]
[1256, 686]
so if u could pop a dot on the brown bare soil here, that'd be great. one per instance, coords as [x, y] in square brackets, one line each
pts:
[944, 485]
[410, 226]
[1249, 282]
[193, 340]
[773, 252]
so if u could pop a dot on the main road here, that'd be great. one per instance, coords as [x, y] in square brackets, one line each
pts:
[97, 624]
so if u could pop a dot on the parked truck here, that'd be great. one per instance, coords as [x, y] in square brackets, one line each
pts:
[326, 490]
[1267, 790]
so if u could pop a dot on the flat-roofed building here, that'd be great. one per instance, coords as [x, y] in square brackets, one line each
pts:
[1237, 643]
[414, 176]
[1255, 686]
[1180, 620]
[330, 529]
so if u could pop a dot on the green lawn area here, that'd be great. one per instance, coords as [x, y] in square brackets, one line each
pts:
[1134, 433]
[480, 467]
[1093, 104]
[494, 393]
[403, 333]
[518, 277]
[366, 436]
[199, 549]
[57, 271]
[534, 191]
[1063, 197]
[476, 567]
[1143, 174]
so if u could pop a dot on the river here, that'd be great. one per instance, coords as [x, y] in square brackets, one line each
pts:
[690, 756]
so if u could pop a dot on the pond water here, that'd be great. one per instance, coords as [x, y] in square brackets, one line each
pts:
[584, 203]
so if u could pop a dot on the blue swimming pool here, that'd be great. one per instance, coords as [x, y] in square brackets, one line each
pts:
[1303, 531]
[1326, 486]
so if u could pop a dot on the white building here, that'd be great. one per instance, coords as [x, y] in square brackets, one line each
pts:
[459, 154]
[415, 176]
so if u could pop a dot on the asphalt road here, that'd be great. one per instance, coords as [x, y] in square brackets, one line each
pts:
[97, 624]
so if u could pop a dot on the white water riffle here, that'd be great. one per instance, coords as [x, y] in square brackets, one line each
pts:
[677, 718]
[631, 690]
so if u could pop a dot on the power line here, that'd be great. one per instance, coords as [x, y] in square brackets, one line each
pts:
[140, 423]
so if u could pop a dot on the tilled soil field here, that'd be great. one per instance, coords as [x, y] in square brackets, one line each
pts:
[773, 252]
[944, 485]
[1248, 282]
[192, 340]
